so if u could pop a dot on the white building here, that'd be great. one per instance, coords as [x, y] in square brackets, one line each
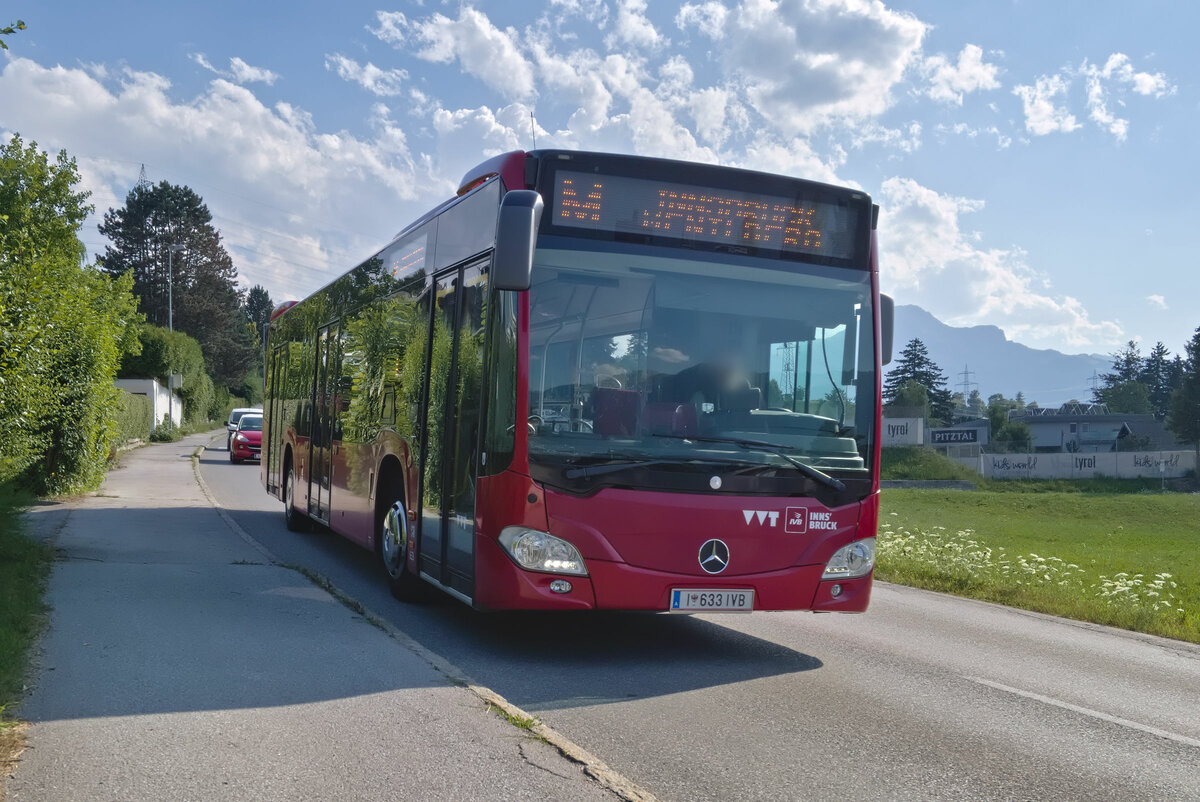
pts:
[159, 397]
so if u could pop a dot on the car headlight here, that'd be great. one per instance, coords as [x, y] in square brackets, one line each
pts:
[852, 560]
[241, 438]
[541, 551]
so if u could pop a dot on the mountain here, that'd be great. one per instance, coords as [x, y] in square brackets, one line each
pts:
[997, 364]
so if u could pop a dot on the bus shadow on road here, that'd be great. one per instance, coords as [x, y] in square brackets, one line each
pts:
[541, 659]
[549, 660]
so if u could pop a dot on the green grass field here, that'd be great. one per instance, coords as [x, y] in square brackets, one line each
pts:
[1090, 554]
[24, 567]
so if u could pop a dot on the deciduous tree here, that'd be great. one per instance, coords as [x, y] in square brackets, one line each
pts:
[63, 328]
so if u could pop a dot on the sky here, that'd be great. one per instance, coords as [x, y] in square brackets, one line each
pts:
[1033, 161]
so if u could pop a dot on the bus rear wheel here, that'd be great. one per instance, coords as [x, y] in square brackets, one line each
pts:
[392, 546]
[295, 520]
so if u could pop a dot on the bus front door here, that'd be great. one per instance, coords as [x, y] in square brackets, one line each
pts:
[273, 425]
[450, 458]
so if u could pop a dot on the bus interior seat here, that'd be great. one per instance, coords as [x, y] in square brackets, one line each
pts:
[742, 399]
[616, 411]
[668, 417]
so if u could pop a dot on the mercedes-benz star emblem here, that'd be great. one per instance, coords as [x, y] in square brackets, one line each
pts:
[714, 556]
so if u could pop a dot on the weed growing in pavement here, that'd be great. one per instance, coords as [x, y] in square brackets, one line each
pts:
[526, 723]
[961, 562]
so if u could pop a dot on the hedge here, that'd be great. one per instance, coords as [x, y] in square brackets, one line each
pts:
[134, 418]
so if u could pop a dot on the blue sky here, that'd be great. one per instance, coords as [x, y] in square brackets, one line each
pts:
[1033, 161]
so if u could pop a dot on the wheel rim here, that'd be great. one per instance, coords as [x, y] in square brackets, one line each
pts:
[289, 492]
[393, 540]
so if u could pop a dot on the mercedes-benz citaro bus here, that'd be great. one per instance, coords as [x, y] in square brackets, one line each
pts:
[595, 381]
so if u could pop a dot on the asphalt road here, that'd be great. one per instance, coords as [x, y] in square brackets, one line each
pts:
[924, 696]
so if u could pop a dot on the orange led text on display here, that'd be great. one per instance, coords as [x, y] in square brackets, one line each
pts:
[572, 207]
[684, 214]
[735, 219]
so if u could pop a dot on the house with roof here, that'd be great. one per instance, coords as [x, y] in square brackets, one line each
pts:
[1091, 429]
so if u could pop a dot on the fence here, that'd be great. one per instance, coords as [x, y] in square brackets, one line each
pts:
[1127, 465]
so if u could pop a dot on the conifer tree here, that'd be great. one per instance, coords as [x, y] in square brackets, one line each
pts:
[1184, 419]
[914, 365]
[201, 284]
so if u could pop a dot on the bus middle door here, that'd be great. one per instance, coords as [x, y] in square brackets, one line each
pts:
[324, 411]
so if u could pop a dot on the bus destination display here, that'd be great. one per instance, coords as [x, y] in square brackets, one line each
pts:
[721, 216]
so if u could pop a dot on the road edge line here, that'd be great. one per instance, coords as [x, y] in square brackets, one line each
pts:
[593, 767]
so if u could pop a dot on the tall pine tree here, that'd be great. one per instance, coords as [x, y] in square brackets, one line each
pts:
[258, 307]
[914, 365]
[201, 282]
[1156, 375]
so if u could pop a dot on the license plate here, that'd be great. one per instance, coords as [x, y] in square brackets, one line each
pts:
[709, 600]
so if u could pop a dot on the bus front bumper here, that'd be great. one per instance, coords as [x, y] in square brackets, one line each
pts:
[620, 586]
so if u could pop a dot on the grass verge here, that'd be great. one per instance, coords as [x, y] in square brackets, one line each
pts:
[1129, 560]
[24, 567]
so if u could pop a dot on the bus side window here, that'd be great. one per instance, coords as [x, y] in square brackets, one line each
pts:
[389, 408]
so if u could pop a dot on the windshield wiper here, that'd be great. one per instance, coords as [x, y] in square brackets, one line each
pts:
[807, 470]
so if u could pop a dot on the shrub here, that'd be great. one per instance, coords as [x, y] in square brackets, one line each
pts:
[165, 432]
[135, 417]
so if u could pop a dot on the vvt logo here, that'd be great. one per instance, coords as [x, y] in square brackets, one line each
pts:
[762, 515]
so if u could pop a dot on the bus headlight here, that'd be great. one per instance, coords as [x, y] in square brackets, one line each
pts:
[852, 560]
[541, 551]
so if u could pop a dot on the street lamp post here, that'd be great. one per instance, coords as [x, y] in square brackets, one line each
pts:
[171, 251]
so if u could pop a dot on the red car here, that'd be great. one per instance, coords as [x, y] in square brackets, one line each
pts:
[246, 442]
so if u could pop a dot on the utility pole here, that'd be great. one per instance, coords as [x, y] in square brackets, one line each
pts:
[171, 251]
[966, 384]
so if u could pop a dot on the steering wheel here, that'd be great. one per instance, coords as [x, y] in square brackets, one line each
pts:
[607, 380]
[534, 423]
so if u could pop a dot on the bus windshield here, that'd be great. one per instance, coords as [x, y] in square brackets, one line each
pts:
[679, 361]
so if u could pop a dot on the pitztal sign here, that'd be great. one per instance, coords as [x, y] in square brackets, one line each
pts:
[944, 437]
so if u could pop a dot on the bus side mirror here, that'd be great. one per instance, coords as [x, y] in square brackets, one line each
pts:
[516, 235]
[887, 322]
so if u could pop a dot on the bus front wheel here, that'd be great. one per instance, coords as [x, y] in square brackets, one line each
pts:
[392, 545]
[295, 520]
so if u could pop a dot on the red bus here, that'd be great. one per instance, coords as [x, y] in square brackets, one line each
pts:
[593, 381]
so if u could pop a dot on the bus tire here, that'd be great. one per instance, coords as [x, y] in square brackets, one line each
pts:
[296, 521]
[392, 543]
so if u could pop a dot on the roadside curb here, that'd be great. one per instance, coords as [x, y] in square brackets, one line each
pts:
[592, 766]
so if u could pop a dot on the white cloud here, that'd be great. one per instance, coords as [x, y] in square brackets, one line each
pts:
[1042, 113]
[1118, 72]
[385, 83]
[803, 66]
[633, 28]
[906, 139]
[239, 71]
[594, 11]
[928, 258]
[709, 18]
[244, 73]
[972, 132]
[307, 203]
[1157, 301]
[949, 82]
[481, 49]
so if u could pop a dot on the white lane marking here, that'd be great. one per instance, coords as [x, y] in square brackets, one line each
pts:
[1086, 711]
